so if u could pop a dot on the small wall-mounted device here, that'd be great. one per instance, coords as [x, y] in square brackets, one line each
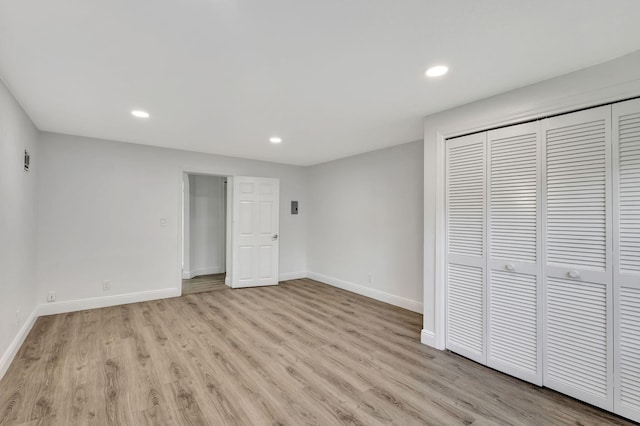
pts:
[294, 207]
[27, 160]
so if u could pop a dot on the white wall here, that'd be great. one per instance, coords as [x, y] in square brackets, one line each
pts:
[611, 81]
[17, 225]
[365, 217]
[101, 207]
[207, 225]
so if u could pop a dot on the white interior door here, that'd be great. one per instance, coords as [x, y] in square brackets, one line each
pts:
[255, 238]
[626, 176]
[577, 247]
[514, 323]
[466, 263]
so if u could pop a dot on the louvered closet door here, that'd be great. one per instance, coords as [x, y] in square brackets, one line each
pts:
[626, 173]
[465, 245]
[577, 247]
[513, 294]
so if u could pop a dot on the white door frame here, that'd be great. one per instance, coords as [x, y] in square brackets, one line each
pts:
[530, 103]
[184, 173]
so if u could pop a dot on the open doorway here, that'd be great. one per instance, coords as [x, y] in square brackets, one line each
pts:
[204, 233]
[230, 232]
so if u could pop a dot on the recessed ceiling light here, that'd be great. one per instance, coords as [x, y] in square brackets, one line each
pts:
[275, 139]
[140, 114]
[437, 71]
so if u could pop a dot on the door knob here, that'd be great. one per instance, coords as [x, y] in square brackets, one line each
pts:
[510, 267]
[574, 274]
[275, 237]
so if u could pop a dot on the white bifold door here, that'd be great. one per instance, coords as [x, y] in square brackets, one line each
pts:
[255, 231]
[514, 322]
[578, 275]
[543, 253]
[465, 246]
[626, 277]
[493, 249]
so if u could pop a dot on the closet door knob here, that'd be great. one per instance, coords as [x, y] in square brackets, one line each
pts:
[574, 274]
[509, 267]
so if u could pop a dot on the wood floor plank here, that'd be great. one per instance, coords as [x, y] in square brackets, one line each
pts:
[301, 353]
[18, 396]
[268, 372]
[78, 371]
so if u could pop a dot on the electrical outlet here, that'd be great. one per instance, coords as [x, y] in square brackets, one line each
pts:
[106, 285]
[51, 296]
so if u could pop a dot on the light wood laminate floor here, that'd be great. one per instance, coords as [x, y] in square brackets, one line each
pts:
[298, 353]
[204, 283]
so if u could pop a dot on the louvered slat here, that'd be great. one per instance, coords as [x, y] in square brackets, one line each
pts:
[629, 192]
[627, 257]
[513, 186]
[465, 172]
[629, 314]
[576, 168]
[465, 313]
[513, 321]
[584, 306]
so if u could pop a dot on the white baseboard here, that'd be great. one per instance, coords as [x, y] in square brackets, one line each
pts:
[14, 347]
[123, 299]
[428, 338]
[292, 276]
[187, 275]
[76, 305]
[392, 299]
[103, 302]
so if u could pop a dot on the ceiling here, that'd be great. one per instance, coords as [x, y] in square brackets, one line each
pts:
[333, 78]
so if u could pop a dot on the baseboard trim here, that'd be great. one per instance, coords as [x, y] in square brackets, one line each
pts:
[392, 299]
[76, 305]
[123, 299]
[16, 343]
[103, 302]
[292, 276]
[428, 338]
